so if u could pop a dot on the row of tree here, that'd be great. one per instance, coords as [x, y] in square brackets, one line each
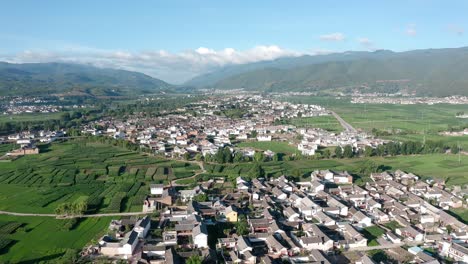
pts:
[224, 155]
[393, 149]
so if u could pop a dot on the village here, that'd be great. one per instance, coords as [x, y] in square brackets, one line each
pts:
[323, 218]
[206, 126]
[326, 219]
[378, 99]
[19, 105]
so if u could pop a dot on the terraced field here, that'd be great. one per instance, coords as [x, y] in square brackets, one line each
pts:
[40, 239]
[109, 178]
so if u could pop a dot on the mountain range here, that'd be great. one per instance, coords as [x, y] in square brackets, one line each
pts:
[74, 79]
[429, 72]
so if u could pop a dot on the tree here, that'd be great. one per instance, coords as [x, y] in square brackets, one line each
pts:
[199, 157]
[194, 259]
[296, 173]
[227, 155]
[338, 152]
[276, 157]
[369, 151]
[238, 157]
[70, 256]
[202, 197]
[242, 227]
[454, 149]
[253, 134]
[348, 152]
[186, 156]
[380, 151]
[256, 171]
[219, 156]
[326, 153]
[259, 156]
[369, 167]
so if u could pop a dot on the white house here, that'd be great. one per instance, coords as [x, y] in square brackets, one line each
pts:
[142, 226]
[123, 248]
[455, 251]
[264, 138]
[410, 233]
[200, 236]
[361, 220]
[157, 189]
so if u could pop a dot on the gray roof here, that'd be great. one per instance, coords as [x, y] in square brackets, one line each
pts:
[132, 237]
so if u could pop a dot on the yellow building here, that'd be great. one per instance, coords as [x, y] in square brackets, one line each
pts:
[231, 214]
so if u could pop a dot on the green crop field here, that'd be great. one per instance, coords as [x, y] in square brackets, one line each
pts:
[325, 122]
[41, 239]
[414, 122]
[275, 146]
[4, 148]
[111, 179]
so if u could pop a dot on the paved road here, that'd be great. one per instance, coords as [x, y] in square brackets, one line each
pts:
[76, 216]
[343, 123]
[376, 247]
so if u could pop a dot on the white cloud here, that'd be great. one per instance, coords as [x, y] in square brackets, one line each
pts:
[411, 30]
[171, 67]
[337, 36]
[365, 42]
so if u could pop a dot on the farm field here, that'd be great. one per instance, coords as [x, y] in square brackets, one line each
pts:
[415, 121]
[275, 146]
[41, 239]
[109, 178]
[4, 148]
[325, 122]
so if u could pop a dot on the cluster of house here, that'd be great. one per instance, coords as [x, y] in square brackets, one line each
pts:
[200, 128]
[207, 130]
[312, 138]
[409, 100]
[20, 105]
[27, 141]
[302, 222]
[125, 238]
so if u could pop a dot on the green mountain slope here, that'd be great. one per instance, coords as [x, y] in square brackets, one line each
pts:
[63, 78]
[437, 72]
[213, 77]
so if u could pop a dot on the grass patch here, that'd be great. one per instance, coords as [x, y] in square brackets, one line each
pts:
[372, 233]
[392, 225]
[275, 146]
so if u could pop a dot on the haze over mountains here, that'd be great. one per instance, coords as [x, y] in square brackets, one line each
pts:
[432, 72]
[53, 78]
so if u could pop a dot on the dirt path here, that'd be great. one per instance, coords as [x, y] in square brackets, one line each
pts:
[200, 164]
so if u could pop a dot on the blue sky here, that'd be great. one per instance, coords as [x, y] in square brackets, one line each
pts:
[158, 37]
